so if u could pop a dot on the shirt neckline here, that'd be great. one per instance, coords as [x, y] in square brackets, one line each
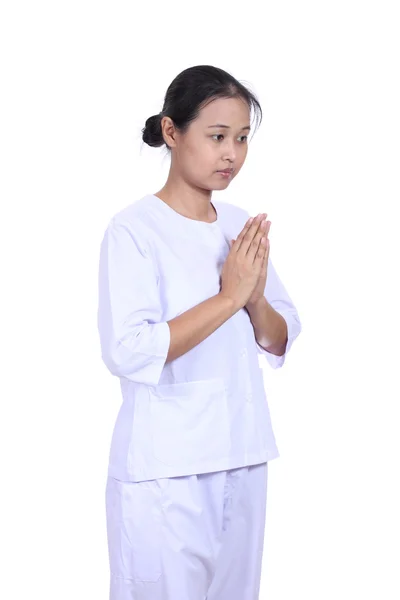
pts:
[181, 219]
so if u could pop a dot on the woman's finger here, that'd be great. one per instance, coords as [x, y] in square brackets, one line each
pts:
[241, 235]
[248, 248]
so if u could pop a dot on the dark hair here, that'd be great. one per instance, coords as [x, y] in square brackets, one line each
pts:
[188, 93]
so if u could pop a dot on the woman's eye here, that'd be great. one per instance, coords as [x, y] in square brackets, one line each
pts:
[221, 135]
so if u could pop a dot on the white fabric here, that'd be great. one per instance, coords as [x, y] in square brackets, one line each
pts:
[198, 537]
[206, 410]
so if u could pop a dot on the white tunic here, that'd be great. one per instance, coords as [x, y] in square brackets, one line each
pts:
[206, 410]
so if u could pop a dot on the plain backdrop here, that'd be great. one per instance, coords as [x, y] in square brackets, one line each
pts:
[78, 81]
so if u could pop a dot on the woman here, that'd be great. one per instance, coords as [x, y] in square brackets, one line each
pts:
[188, 299]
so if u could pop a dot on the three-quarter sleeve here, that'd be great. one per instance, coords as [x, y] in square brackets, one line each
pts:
[134, 340]
[279, 299]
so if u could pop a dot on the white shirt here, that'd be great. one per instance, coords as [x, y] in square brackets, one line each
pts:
[206, 410]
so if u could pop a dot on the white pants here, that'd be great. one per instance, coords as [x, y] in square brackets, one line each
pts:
[197, 537]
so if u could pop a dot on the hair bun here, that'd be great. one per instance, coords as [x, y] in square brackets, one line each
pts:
[152, 133]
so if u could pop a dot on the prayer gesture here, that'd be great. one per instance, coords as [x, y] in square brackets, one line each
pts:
[244, 274]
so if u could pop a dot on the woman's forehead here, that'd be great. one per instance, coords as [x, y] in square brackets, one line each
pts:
[231, 112]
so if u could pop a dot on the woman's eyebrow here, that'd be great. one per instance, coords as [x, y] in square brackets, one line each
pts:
[227, 126]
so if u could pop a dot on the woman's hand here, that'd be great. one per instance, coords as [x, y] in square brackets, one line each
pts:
[258, 291]
[242, 267]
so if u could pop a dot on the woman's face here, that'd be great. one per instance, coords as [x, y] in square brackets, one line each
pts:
[216, 140]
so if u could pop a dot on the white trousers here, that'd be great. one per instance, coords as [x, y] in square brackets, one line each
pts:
[196, 537]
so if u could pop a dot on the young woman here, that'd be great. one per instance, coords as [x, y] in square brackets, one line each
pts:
[188, 300]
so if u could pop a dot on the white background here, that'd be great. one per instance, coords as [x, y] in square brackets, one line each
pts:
[78, 81]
